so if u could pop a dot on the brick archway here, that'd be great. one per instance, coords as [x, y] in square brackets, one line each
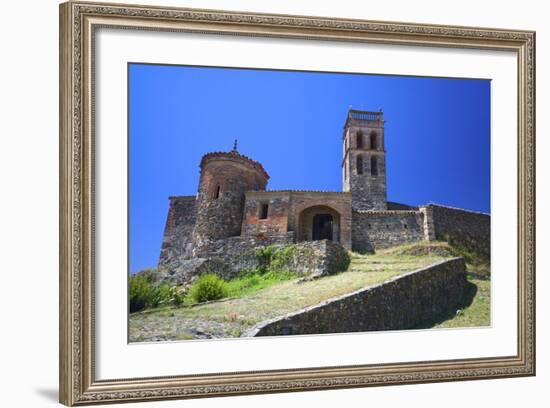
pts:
[319, 222]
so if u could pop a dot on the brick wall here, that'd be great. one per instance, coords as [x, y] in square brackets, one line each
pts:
[276, 223]
[337, 201]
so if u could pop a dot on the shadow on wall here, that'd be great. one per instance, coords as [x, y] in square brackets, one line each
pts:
[469, 294]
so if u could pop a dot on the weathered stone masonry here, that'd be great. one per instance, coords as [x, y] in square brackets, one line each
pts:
[380, 229]
[233, 213]
[225, 177]
[177, 244]
[469, 229]
[401, 303]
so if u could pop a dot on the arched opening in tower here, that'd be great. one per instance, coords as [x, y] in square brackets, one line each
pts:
[359, 141]
[374, 166]
[359, 164]
[373, 141]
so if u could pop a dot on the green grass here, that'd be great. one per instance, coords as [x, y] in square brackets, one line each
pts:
[248, 283]
[254, 281]
[256, 297]
[476, 312]
[144, 294]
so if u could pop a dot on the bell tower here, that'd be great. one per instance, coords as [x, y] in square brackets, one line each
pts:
[364, 162]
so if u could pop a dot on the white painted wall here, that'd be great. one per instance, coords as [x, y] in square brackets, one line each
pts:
[28, 207]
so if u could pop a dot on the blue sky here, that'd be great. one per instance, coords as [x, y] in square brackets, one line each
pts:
[437, 135]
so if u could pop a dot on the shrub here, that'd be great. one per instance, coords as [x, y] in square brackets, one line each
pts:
[265, 256]
[144, 294]
[208, 287]
[179, 298]
[271, 258]
[141, 292]
[151, 274]
[281, 258]
[162, 295]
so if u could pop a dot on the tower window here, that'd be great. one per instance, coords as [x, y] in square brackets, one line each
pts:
[373, 141]
[374, 166]
[359, 164]
[217, 192]
[359, 139]
[264, 208]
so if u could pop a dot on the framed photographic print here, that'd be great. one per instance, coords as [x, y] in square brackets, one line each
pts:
[256, 203]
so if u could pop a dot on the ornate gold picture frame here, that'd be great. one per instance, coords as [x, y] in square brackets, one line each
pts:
[78, 381]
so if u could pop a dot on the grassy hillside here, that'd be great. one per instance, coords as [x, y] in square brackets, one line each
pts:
[271, 298]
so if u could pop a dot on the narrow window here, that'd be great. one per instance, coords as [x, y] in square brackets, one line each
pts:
[264, 208]
[359, 140]
[374, 166]
[217, 193]
[359, 164]
[373, 141]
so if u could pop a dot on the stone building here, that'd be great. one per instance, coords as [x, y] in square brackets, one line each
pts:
[233, 211]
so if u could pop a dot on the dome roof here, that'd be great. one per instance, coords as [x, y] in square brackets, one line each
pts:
[235, 156]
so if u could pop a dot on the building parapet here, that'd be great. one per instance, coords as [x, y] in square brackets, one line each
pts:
[456, 208]
[375, 213]
[193, 197]
[275, 192]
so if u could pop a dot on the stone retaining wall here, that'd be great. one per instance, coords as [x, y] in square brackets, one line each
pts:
[400, 303]
[227, 258]
[314, 258]
[467, 229]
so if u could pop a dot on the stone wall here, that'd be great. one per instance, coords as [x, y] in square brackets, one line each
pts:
[177, 242]
[401, 303]
[468, 229]
[379, 229]
[233, 255]
[364, 160]
[400, 207]
[313, 259]
[368, 191]
[225, 177]
[240, 254]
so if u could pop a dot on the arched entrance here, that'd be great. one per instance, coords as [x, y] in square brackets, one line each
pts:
[322, 227]
[319, 222]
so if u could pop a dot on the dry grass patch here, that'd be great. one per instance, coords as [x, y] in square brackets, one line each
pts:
[285, 297]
